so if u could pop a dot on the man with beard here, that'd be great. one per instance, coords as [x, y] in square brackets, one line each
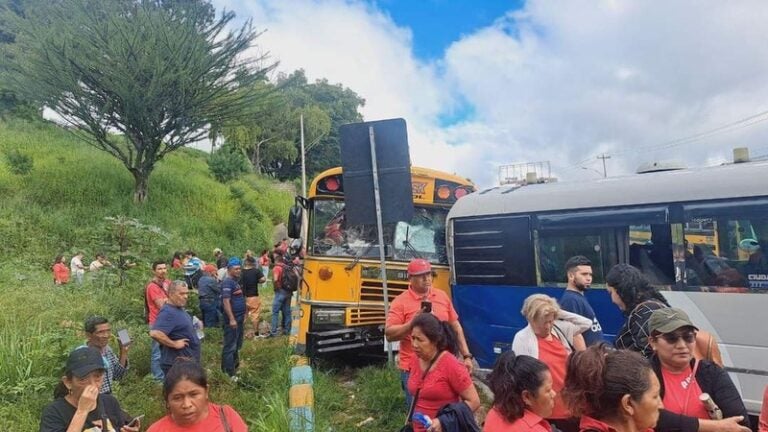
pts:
[578, 269]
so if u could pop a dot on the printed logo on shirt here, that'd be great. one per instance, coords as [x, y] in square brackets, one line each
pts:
[596, 327]
[686, 382]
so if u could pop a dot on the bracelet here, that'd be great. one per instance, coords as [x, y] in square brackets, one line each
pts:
[468, 356]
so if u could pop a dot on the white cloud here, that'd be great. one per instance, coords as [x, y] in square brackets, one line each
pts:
[557, 80]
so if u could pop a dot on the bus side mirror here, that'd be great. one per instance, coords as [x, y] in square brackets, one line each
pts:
[294, 221]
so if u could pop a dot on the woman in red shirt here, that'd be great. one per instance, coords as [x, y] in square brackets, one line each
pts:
[612, 391]
[60, 271]
[523, 395]
[446, 379]
[185, 391]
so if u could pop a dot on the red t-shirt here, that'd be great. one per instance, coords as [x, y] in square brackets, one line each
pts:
[763, 423]
[591, 424]
[553, 354]
[529, 422]
[60, 273]
[212, 423]
[681, 394]
[264, 261]
[156, 290]
[277, 274]
[442, 385]
[406, 305]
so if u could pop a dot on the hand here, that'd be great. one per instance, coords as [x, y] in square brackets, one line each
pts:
[436, 426]
[181, 343]
[127, 428]
[470, 365]
[233, 324]
[123, 347]
[87, 401]
[731, 424]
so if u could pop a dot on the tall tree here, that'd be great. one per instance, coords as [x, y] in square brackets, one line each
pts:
[157, 72]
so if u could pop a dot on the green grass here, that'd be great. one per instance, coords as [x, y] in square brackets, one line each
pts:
[72, 187]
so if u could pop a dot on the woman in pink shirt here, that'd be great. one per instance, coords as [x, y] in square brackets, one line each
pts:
[523, 395]
[437, 377]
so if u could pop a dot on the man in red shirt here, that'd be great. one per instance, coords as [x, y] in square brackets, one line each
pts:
[155, 296]
[417, 299]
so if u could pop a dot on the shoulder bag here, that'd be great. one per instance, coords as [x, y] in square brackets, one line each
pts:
[408, 427]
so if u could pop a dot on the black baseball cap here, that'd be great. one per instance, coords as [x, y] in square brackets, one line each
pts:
[84, 360]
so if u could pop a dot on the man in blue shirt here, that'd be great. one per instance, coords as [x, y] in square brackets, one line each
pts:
[174, 330]
[578, 269]
[233, 303]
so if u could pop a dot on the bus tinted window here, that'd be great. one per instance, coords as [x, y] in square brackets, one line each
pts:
[727, 252]
[556, 247]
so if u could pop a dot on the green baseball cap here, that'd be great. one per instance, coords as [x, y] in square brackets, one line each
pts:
[668, 320]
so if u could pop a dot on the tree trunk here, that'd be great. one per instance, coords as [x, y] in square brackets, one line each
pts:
[140, 187]
[257, 159]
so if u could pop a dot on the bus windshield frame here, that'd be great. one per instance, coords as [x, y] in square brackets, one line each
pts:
[422, 237]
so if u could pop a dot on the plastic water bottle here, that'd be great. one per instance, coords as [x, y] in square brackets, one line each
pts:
[423, 419]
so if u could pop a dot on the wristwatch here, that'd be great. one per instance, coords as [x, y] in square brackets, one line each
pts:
[468, 356]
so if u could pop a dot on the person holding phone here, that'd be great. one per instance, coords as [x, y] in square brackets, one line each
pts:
[99, 332]
[421, 298]
[78, 405]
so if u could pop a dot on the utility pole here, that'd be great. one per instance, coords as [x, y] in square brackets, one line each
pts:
[303, 159]
[604, 157]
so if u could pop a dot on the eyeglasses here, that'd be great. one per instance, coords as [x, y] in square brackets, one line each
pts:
[672, 338]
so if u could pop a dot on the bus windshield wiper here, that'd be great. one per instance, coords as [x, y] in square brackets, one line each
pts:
[354, 262]
[408, 245]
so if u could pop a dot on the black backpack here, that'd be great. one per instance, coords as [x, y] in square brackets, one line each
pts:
[291, 276]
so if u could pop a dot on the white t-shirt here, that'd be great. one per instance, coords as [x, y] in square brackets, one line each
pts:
[76, 265]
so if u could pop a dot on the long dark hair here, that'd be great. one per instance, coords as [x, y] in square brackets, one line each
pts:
[184, 370]
[438, 332]
[632, 286]
[511, 375]
[597, 379]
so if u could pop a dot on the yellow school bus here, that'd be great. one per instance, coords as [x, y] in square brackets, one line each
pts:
[342, 298]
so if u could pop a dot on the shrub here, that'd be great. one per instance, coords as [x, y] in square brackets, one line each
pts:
[227, 164]
[18, 162]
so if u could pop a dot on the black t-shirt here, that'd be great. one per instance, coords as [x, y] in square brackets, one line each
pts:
[57, 415]
[249, 280]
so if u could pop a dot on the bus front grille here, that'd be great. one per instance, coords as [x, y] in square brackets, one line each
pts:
[373, 291]
[367, 316]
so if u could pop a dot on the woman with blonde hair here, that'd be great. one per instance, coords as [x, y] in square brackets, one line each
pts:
[551, 336]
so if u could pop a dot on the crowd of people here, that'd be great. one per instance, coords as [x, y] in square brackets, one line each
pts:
[228, 292]
[661, 373]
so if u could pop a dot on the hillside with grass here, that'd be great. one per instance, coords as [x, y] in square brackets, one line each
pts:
[60, 203]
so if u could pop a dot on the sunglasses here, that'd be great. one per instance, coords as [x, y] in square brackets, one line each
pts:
[672, 338]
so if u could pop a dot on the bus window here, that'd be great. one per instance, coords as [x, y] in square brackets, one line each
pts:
[556, 247]
[332, 237]
[650, 250]
[729, 253]
[423, 236]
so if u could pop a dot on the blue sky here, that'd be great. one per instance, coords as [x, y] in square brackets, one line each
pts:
[435, 24]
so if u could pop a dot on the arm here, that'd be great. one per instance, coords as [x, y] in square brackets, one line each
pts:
[578, 343]
[163, 339]
[397, 332]
[396, 327]
[471, 398]
[726, 396]
[462, 342]
[119, 366]
[580, 323]
[227, 305]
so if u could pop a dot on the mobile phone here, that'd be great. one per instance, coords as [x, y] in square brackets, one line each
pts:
[124, 337]
[135, 421]
[426, 306]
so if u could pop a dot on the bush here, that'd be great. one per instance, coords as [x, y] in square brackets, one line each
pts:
[19, 163]
[227, 164]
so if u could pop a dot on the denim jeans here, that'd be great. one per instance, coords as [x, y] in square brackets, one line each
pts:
[210, 310]
[233, 341]
[154, 364]
[281, 303]
[404, 384]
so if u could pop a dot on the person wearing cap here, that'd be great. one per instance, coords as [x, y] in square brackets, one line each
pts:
[174, 330]
[233, 302]
[415, 300]
[684, 379]
[78, 405]
[209, 293]
[221, 259]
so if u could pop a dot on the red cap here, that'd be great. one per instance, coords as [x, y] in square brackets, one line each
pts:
[209, 268]
[419, 266]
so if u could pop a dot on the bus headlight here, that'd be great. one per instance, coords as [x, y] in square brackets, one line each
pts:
[328, 316]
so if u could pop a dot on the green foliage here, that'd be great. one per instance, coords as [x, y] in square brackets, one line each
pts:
[158, 72]
[18, 162]
[228, 164]
[64, 210]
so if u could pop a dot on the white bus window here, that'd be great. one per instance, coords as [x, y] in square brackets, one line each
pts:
[727, 253]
